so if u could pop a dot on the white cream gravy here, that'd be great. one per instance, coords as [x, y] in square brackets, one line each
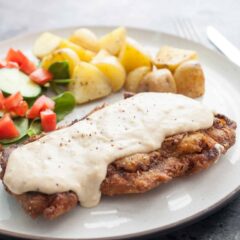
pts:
[76, 158]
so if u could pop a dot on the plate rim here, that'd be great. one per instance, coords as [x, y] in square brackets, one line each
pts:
[157, 230]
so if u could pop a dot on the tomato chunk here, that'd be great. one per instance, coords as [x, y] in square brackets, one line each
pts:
[13, 101]
[41, 76]
[2, 64]
[12, 65]
[2, 99]
[5, 64]
[41, 104]
[21, 109]
[48, 120]
[7, 128]
[24, 63]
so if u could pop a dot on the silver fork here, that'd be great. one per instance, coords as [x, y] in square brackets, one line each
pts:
[186, 29]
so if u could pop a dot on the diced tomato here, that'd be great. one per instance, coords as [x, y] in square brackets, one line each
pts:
[48, 120]
[7, 128]
[2, 64]
[41, 104]
[15, 104]
[41, 76]
[12, 65]
[13, 101]
[5, 64]
[21, 109]
[24, 63]
[2, 99]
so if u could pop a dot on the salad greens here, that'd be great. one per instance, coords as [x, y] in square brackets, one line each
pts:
[64, 104]
[35, 128]
[60, 70]
[61, 76]
[22, 126]
[62, 81]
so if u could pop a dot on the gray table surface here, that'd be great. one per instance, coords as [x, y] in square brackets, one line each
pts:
[172, 16]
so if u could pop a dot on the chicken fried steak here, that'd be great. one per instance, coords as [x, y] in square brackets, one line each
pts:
[180, 155]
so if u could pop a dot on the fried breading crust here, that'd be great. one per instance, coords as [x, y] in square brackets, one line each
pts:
[180, 155]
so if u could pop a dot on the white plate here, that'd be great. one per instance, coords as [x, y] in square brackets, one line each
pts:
[168, 206]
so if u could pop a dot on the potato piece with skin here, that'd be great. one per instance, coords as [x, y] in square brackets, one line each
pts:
[83, 54]
[86, 39]
[64, 54]
[114, 41]
[45, 44]
[133, 56]
[134, 78]
[88, 83]
[160, 80]
[112, 69]
[190, 80]
[171, 58]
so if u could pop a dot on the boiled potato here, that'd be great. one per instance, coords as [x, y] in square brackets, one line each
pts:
[133, 55]
[88, 83]
[83, 54]
[189, 78]
[45, 44]
[113, 69]
[134, 78]
[101, 54]
[64, 54]
[113, 41]
[86, 39]
[160, 80]
[169, 57]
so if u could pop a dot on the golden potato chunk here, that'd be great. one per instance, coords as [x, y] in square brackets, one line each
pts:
[112, 69]
[45, 44]
[134, 78]
[189, 78]
[113, 41]
[171, 58]
[63, 54]
[160, 80]
[133, 55]
[88, 83]
[83, 54]
[101, 54]
[85, 38]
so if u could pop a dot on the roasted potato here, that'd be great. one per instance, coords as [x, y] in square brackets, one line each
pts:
[85, 38]
[88, 83]
[160, 80]
[113, 69]
[189, 78]
[133, 56]
[83, 54]
[134, 78]
[113, 41]
[64, 54]
[45, 44]
[171, 58]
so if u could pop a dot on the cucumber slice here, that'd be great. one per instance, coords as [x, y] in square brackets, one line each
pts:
[13, 80]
